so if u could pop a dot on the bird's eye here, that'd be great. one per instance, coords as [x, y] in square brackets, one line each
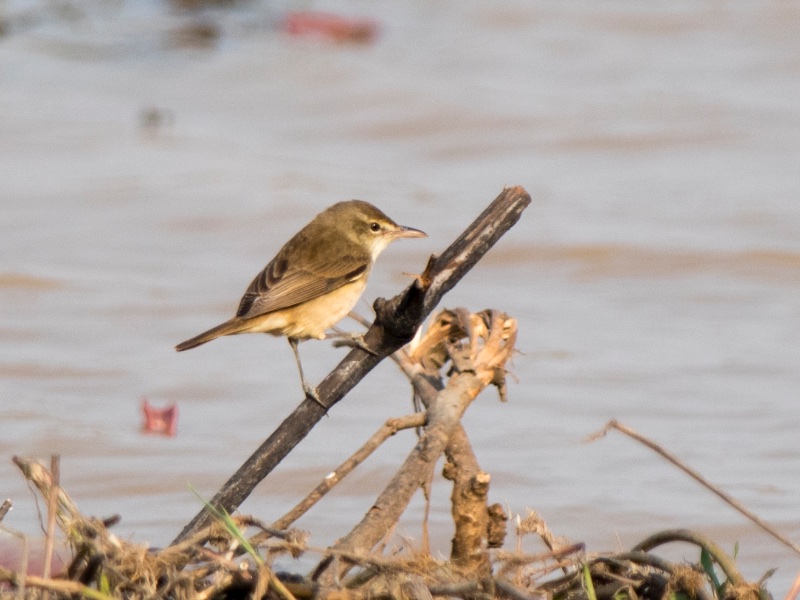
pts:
[375, 226]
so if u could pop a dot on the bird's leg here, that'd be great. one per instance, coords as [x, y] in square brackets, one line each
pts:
[352, 339]
[310, 391]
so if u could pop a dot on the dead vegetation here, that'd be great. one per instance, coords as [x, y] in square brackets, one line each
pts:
[460, 355]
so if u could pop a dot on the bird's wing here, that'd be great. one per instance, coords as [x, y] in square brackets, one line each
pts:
[282, 284]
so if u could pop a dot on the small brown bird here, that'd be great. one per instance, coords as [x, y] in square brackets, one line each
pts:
[315, 279]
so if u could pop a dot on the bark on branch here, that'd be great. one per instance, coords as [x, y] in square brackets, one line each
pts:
[395, 324]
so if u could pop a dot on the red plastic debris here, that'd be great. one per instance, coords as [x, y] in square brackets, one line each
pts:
[331, 26]
[162, 421]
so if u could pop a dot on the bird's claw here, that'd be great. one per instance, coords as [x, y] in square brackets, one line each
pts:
[353, 340]
[311, 392]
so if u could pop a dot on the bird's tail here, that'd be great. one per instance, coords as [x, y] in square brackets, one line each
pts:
[227, 328]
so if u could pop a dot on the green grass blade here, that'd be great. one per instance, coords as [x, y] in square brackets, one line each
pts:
[708, 567]
[587, 581]
[221, 515]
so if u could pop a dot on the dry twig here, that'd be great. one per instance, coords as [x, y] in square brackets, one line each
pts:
[614, 424]
[105, 567]
[388, 429]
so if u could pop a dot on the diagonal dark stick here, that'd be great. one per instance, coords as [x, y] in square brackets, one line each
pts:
[395, 323]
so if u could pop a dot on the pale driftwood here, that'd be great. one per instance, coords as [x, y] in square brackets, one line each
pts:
[479, 360]
[395, 324]
[37, 473]
[470, 510]
[477, 525]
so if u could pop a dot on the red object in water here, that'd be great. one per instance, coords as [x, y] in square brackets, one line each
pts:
[330, 26]
[163, 421]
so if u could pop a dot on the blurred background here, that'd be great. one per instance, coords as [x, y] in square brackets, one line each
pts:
[154, 156]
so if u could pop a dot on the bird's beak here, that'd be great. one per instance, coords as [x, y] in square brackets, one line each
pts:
[408, 232]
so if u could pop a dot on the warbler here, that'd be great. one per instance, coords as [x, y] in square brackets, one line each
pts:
[314, 280]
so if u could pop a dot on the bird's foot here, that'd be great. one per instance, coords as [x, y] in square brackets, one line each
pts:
[352, 340]
[311, 392]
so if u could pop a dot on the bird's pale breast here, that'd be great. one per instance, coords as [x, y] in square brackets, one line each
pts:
[310, 319]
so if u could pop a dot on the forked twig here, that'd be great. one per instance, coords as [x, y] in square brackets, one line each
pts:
[388, 429]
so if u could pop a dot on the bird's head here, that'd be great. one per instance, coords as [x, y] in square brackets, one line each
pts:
[368, 226]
